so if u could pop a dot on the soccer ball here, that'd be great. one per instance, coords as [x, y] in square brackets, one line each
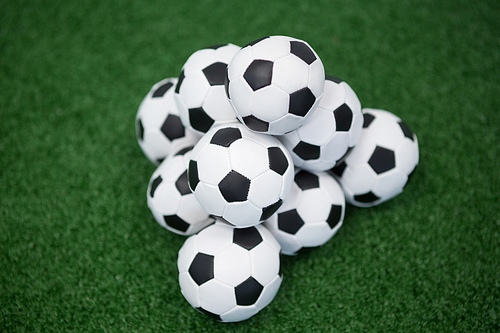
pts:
[275, 83]
[158, 126]
[200, 93]
[311, 215]
[331, 131]
[240, 176]
[170, 200]
[230, 274]
[380, 165]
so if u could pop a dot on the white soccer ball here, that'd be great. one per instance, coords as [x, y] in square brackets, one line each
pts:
[311, 215]
[380, 165]
[200, 92]
[330, 132]
[275, 83]
[170, 200]
[158, 126]
[230, 274]
[240, 176]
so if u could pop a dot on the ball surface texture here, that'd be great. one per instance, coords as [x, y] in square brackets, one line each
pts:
[275, 83]
[159, 128]
[379, 166]
[200, 92]
[330, 132]
[240, 176]
[311, 215]
[230, 274]
[170, 200]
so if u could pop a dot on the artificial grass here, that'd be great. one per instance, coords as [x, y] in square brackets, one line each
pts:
[79, 249]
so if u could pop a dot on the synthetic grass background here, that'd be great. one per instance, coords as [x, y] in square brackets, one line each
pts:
[79, 249]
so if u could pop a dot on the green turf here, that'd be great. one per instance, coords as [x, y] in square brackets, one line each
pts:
[79, 249]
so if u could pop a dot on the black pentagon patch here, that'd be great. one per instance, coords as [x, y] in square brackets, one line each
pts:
[259, 74]
[256, 41]
[182, 184]
[406, 130]
[334, 216]
[234, 187]
[268, 211]
[290, 221]
[179, 82]
[210, 314]
[382, 160]
[226, 84]
[248, 292]
[277, 160]
[202, 268]
[301, 50]
[215, 73]
[139, 127]
[367, 119]
[306, 180]
[339, 168]
[215, 47]
[183, 151]
[307, 151]
[154, 185]
[247, 238]
[301, 102]
[193, 178]
[343, 118]
[200, 120]
[256, 124]
[162, 89]
[225, 136]
[176, 222]
[366, 198]
[172, 128]
[333, 79]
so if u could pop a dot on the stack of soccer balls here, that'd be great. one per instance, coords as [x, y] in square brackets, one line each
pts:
[258, 152]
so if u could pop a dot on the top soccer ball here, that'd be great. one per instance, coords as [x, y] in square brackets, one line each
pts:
[275, 83]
